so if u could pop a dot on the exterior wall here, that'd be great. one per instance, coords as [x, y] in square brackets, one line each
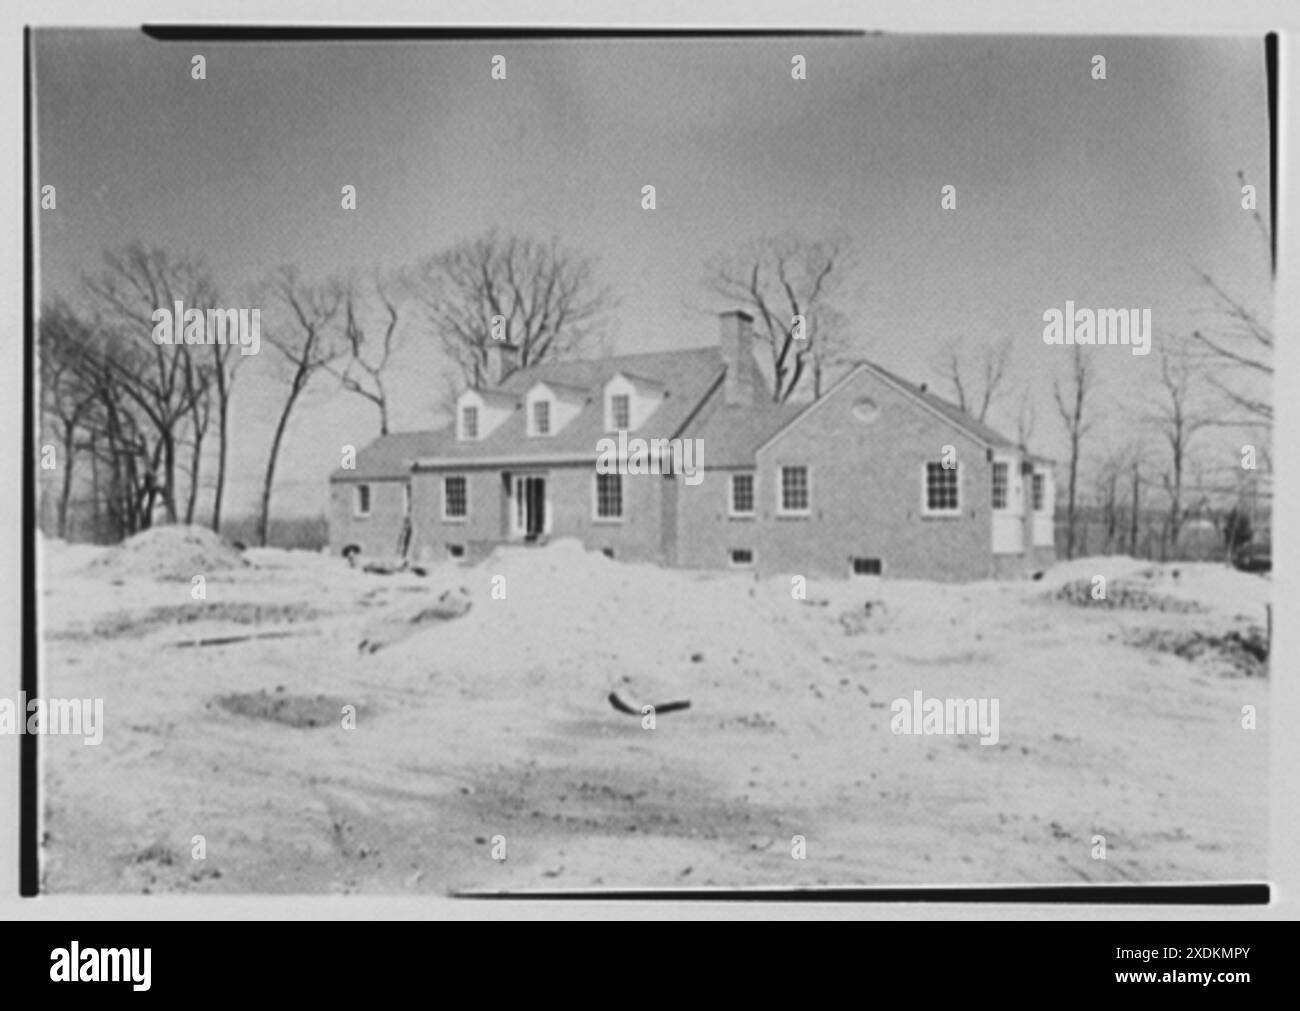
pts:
[377, 534]
[867, 486]
[570, 492]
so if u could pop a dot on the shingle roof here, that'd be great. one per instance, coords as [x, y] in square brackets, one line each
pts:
[982, 432]
[391, 455]
[687, 377]
[732, 433]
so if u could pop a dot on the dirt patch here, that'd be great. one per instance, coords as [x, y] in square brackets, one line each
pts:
[1243, 651]
[291, 710]
[170, 553]
[128, 624]
[1122, 595]
[868, 618]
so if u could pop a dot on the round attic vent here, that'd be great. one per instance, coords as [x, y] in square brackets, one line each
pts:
[866, 409]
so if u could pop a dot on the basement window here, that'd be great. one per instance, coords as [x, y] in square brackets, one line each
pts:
[742, 557]
[455, 551]
[867, 567]
[607, 552]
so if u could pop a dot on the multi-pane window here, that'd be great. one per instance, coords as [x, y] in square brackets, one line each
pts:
[940, 488]
[542, 417]
[742, 556]
[620, 410]
[1038, 492]
[866, 566]
[609, 496]
[794, 489]
[469, 422]
[455, 498]
[362, 504]
[1000, 478]
[742, 494]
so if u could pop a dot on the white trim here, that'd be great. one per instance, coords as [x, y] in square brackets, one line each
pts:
[595, 500]
[753, 494]
[925, 492]
[357, 513]
[455, 519]
[781, 511]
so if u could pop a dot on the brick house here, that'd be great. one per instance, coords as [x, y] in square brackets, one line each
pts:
[854, 482]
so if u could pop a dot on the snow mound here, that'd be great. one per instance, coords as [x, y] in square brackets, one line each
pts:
[170, 552]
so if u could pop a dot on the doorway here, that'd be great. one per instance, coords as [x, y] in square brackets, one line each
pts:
[530, 514]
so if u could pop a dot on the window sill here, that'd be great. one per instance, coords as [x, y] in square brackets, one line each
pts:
[455, 519]
[742, 516]
[806, 515]
[611, 521]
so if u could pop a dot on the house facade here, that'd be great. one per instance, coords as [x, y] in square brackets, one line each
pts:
[876, 477]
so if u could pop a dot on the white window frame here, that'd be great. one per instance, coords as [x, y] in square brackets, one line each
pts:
[780, 488]
[595, 499]
[357, 511]
[753, 495]
[954, 513]
[455, 519]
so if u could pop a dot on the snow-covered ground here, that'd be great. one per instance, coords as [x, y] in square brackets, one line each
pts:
[481, 717]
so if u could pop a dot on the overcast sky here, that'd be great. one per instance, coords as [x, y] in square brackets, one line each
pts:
[1109, 192]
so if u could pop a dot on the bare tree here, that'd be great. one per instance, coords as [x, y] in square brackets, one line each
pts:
[778, 279]
[162, 383]
[66, 399]
[1240, 349]
[303, 335]
[1178, 418]
[1070, 403]
[544, 300]
[368, 357]
[977, 380]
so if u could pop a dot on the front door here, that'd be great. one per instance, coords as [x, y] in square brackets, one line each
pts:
[530, 506]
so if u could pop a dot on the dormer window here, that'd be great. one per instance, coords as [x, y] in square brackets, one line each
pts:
[542, 417]
[469, 422]
[620, 410]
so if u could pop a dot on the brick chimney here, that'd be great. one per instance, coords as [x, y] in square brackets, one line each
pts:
[502, 359]
[737, 342]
